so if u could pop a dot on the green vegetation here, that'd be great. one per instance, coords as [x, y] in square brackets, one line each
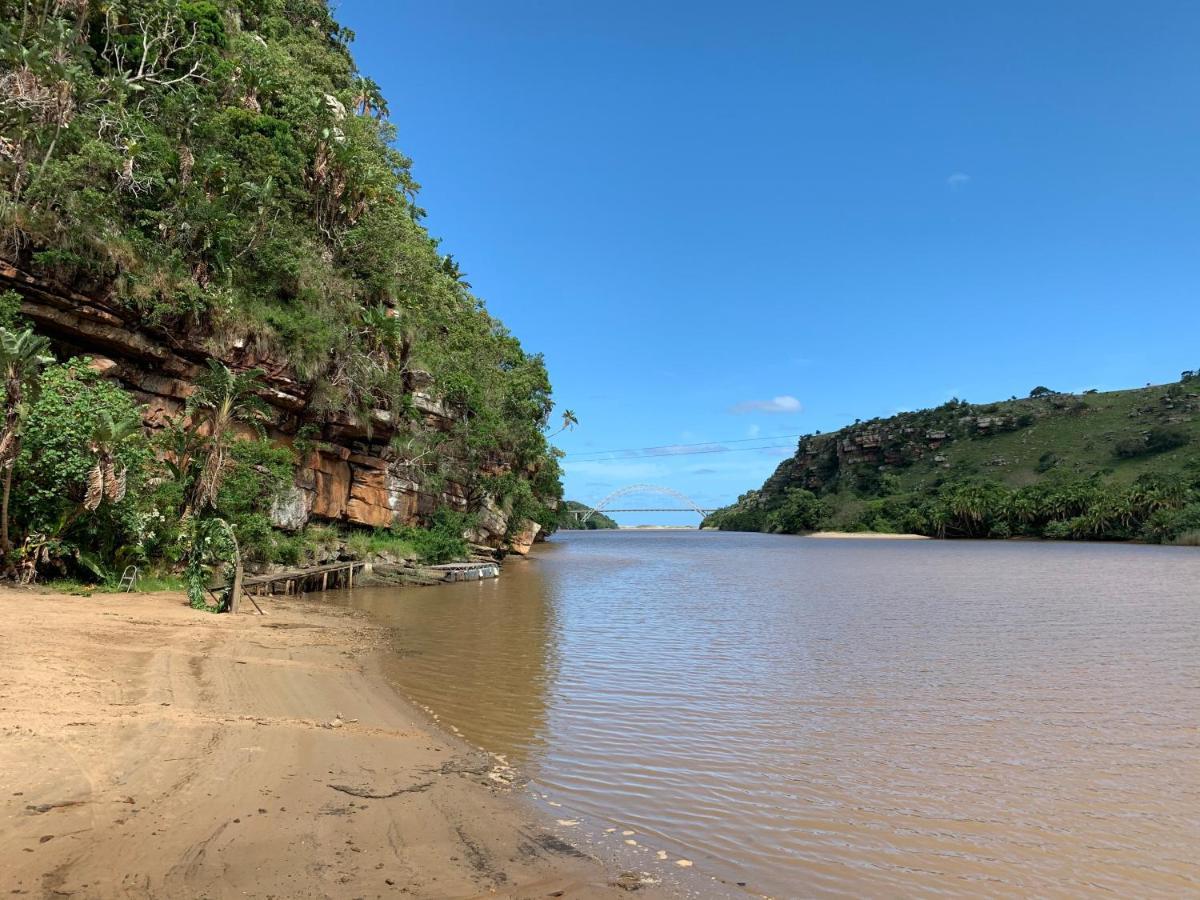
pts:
[224, 172]
[569, 521]
[1122, 465]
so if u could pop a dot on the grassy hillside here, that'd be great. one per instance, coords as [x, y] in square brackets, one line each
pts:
[1116, 465]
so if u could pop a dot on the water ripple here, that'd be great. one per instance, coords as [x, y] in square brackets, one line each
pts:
[842, 717]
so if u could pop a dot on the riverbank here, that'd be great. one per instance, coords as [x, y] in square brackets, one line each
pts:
[149, 750]
[869, 535]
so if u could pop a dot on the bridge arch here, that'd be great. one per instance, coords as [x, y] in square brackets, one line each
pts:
[644, 489]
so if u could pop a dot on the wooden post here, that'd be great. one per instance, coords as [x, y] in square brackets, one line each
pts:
[235, 592]
[324, 580]
[350, 575]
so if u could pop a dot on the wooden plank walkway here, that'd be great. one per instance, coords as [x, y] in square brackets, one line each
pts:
[297, 581]
[343, 574]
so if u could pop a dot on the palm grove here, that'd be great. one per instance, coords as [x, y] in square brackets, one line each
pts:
[223, 170]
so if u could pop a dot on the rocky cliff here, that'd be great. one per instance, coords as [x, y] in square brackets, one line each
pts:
[347, 471]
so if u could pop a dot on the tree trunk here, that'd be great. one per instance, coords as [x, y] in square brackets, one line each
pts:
[235, 592]
[5, 544]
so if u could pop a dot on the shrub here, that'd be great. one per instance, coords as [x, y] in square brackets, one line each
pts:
[1130, 447]
[58, 454]
[1157, 440]
[800, 511]
[748, 514]
[1047, 461]
[1165, 438]
[258, 473]
[10, 311]
[364, 544]
[442, 541]
[1168, 525]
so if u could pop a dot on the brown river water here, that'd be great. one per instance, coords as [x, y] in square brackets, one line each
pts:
[839, 717]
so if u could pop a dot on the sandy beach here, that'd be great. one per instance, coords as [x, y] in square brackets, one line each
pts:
[149, 750]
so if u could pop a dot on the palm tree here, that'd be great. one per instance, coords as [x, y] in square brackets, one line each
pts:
[23, 355]
[368, 99]
[105, 482]
[223, 399]
[451, 268]
[569, 421]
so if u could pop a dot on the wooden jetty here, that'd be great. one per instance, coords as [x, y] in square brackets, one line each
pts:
[298, 581]
[343, 575]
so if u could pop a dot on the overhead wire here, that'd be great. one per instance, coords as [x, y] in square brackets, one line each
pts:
[682, 449]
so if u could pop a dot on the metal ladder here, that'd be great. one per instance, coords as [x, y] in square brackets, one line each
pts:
[128, 579]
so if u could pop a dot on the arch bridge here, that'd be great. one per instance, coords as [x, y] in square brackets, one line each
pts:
[689, 505]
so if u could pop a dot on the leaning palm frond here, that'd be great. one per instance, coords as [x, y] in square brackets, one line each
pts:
[223, 398]
[95, 488]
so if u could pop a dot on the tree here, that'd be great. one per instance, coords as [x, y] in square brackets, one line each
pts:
[800, 511]
[106, 481]
[79, 420]
[223, 399]
[23, 355]
[1041, 391]
[569, 421]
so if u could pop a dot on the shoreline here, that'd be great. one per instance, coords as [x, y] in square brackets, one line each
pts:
[867, 536]
[150, 750]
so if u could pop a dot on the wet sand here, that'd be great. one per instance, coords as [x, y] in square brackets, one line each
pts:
[149, 750]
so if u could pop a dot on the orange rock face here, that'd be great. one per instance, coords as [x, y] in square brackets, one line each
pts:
[331, 486]
[359, 489]
[523, 539]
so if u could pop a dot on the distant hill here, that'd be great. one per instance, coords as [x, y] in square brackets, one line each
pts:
[596, 521]
[1119, 465]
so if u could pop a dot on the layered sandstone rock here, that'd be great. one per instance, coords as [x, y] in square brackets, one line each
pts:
[349, 477]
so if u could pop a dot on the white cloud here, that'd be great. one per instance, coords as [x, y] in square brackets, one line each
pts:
[615, 471]
[783, 404]
[958, 180]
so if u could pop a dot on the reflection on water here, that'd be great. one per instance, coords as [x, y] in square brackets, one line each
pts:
[482, 654]
[842, 717]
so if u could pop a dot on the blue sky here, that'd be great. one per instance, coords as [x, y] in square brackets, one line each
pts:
[726, 221]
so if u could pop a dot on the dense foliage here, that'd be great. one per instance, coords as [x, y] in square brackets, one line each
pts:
[67, 431]
[568, 520]
[1118, 466]
[223, 170]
